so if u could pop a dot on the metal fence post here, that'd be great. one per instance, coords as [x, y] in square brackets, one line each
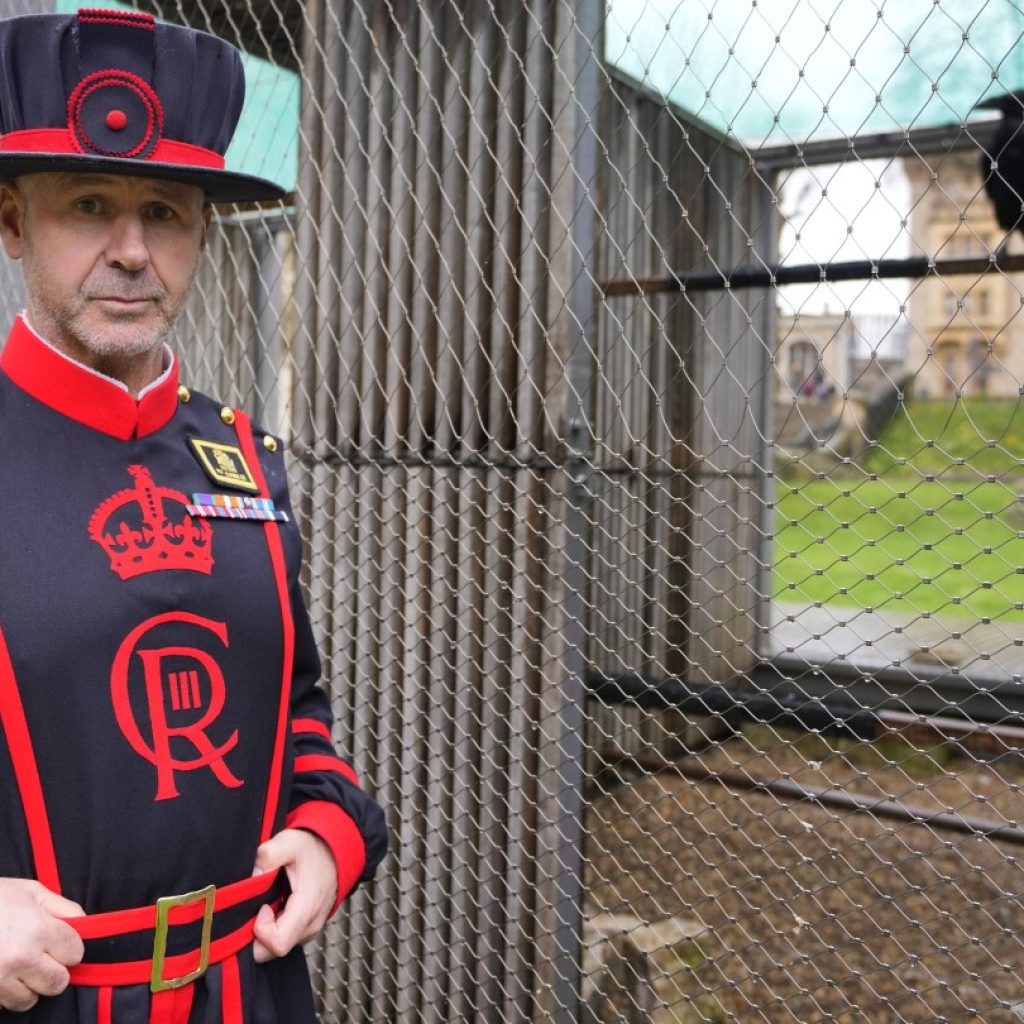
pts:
[578, 454]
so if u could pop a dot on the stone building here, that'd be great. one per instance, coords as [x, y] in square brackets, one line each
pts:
[966, 331]
[813, 353]
[838, 353]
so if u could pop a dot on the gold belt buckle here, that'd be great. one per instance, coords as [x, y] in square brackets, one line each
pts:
[164, 905]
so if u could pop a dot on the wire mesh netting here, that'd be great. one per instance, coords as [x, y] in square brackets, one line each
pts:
[651, 375]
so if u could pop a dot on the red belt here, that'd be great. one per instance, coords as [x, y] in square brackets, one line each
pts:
[160, 970]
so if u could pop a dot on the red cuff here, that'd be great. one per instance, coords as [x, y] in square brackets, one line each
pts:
[339, 832]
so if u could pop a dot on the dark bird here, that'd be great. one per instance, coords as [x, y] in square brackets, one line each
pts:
[1002, 164]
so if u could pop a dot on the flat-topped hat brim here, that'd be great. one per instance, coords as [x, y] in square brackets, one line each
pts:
[219, 186]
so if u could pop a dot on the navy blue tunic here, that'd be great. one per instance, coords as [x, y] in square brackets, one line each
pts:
[161, 682]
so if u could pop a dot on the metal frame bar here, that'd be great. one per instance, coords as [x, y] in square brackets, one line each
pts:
[942, 139]
[811, 273]
[927, 690]
[789, 708]
[582, 312]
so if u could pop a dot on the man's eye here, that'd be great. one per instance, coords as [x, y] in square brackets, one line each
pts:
[161, 212]
[87, 206]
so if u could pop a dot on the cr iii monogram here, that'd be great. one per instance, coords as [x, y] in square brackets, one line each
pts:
[185, 693]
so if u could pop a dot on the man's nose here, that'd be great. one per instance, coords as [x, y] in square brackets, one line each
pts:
[127, 246]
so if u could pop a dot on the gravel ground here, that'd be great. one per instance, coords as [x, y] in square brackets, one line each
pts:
[810, 914]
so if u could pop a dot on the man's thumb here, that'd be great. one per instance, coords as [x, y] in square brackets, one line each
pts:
[265, 918]
[271, 855]
[56, 905]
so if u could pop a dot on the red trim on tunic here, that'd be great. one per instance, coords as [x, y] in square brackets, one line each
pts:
[104, 1005]
[243, 428]
[326, 763]
[302, 726]
[61, 141]
[342, 836]
[26, 773]
[172, 1006]
[82, 395]
[230, 992]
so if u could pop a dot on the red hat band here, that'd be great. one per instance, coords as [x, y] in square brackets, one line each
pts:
[62, 141]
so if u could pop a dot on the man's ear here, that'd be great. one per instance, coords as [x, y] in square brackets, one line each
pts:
[207, 217]
[12, 219]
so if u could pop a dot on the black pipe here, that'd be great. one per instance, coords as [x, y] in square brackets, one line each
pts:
[811, 273]
[737, 707]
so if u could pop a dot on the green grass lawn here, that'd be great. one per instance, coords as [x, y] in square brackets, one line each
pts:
[903, 544]
[938, 527]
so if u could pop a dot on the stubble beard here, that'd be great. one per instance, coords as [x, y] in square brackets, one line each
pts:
[114, 343]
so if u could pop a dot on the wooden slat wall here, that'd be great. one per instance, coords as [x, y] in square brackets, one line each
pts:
[407, 334]
[678, 481]
[731, 374]
[428, 380]
[237, 334]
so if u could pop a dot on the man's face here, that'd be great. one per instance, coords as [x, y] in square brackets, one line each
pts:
[108, 260]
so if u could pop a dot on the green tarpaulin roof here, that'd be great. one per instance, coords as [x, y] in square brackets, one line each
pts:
[776, 71]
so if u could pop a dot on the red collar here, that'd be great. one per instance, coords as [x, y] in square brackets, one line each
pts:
[82, 394]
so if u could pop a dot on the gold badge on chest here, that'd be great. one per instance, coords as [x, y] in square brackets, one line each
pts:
[224, 464]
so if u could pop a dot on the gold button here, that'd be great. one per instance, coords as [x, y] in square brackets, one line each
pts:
[270, 443]
[227, 415]
[183, 393]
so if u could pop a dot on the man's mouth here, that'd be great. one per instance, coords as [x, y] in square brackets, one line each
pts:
[125, 302]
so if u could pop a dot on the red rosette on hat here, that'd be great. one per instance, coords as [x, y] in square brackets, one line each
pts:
[115, 113]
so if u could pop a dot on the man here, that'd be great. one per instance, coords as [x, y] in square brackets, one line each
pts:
[175, 822]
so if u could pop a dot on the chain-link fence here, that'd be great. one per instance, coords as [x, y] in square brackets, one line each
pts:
[651, 381]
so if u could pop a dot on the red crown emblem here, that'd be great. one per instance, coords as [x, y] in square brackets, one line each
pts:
[139, 537]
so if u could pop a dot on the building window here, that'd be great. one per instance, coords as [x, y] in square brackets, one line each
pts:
[946, 355]
[980, 366]
[803, 362]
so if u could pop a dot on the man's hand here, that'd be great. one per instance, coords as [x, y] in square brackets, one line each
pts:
[313, 877]
[36, 947]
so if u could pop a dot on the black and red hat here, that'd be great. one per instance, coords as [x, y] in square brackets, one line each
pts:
[121, 93]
